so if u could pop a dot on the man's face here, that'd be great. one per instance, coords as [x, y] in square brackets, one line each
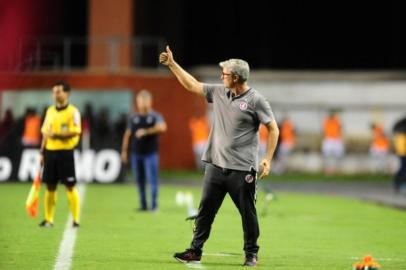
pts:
[59, 95]
[227, 78]
[144, 103]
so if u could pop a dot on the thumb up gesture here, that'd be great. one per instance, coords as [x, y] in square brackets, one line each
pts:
[166, 57]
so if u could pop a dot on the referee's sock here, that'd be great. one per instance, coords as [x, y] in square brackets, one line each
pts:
[50, 201]
[73, 198]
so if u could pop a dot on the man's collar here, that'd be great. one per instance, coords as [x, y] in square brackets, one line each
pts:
[229, 93]
[61, 108]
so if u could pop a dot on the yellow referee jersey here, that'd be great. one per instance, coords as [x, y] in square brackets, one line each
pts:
[62, 120]
[400, 144]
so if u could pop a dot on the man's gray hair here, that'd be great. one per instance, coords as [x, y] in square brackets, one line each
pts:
[144, 94]
[237, 67]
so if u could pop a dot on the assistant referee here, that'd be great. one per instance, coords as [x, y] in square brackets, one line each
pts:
[61, 132]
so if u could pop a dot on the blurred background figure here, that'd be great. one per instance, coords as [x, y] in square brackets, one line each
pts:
[287, 142]
[87, 126]
[379, 149]
[263, 137]
[120, 126]
[32, 125]
[143, 130]
[399, 131]
[199, 128]
[6, 129]
[102, 130]
[333, 148]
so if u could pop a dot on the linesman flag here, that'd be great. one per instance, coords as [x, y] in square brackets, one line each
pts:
[33, 197]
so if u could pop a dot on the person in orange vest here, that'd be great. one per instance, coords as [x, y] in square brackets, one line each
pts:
[32, 129]
[287, 142]
[199, 128]
[333, 148]
[379, 149]
[263, 140]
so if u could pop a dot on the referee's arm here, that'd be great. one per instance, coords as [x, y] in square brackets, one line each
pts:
[42, 149]
[74, 129]
[63, 135]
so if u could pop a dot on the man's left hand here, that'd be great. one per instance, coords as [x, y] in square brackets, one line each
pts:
[265, 166]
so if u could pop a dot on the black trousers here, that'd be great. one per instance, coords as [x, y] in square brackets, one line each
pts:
[242, 189]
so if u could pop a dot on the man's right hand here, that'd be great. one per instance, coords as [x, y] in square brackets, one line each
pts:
[187, 80]
[166, 58]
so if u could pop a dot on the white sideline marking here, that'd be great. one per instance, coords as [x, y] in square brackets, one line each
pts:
[195, 265]
[64, 259]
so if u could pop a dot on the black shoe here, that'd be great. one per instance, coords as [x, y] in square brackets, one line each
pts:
[75, 224]
[188, 256]
[46, 224]
[250, 260]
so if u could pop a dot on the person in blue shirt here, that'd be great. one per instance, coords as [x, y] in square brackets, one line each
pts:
[143, 130]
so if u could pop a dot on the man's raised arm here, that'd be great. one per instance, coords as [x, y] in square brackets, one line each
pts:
[187, 80]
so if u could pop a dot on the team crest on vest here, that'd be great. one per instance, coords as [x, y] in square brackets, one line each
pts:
[150, 119]
[136, 120]
[243, 106]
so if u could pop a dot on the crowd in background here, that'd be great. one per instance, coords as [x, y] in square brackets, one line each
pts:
[332, 145]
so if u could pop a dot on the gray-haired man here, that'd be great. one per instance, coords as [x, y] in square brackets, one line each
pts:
[231, 153]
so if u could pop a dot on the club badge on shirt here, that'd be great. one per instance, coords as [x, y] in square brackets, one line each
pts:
[243, 106]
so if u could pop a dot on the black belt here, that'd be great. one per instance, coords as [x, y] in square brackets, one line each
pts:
[224, 170]
[227, 171]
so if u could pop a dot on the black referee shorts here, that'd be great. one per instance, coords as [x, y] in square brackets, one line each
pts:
[59, 166]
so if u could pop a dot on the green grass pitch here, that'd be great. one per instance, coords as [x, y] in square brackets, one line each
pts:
[299, 232]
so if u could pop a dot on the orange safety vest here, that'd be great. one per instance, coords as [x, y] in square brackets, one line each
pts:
[32, 127]
[199, 126]
[332, 128]
[263, 134]
[379, 139]
[288, 133]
